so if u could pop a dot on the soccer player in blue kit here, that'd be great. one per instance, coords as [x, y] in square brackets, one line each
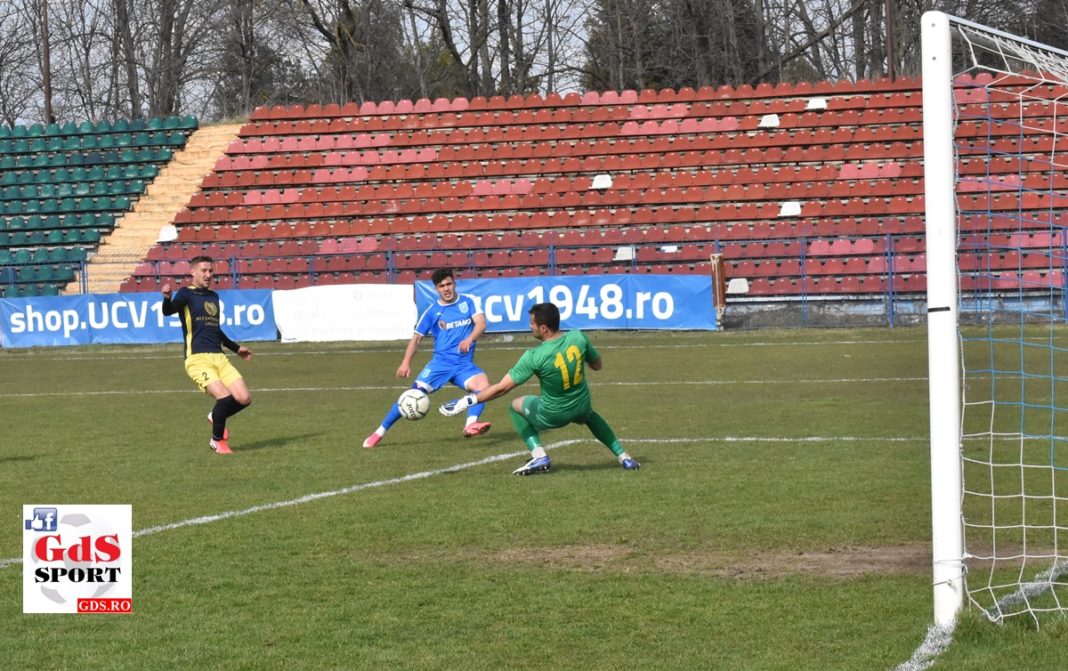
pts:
[198, 309]
[456, 323]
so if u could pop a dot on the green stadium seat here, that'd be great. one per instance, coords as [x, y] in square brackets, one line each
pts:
[103, 126]
[43, 274]
[137, 124]
[155, 123]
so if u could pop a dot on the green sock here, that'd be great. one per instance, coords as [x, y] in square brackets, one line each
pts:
[526, 431]
[604, 433]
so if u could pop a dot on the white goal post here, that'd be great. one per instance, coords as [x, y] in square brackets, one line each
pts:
[995, 126]
[939, 176]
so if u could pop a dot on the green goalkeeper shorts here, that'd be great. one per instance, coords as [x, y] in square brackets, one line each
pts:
[541, 420]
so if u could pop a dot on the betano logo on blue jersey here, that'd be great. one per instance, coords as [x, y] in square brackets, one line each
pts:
[444, 325]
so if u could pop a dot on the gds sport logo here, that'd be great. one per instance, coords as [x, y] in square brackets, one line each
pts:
[77, 559]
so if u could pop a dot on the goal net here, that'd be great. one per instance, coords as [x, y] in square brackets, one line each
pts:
[996, 181]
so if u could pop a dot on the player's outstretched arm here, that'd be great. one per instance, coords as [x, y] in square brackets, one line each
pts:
[405, 367]
[168, 307]
[467, 343]
[457, 406]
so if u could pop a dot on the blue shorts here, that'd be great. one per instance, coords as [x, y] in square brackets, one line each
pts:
[435, 375]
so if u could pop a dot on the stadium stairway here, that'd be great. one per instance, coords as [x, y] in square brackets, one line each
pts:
[139, 230]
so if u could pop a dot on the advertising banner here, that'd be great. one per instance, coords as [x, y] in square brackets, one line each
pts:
[591, 301]
[124, 319]
[345, 312]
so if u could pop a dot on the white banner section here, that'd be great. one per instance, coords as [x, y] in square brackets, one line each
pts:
[345, 312]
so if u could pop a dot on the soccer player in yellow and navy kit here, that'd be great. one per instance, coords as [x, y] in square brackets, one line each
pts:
[198, 309]
[559, 363]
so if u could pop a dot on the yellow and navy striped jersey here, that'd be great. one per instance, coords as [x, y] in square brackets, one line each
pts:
[199, 311]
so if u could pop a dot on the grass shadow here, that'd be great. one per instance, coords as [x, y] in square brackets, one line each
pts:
[6, 460]
[275, 442]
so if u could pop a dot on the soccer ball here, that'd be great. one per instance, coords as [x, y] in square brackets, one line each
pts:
[413, 404]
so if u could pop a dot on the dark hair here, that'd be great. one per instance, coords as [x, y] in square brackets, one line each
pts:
[203, 258]
[546, 314]
[440, 274]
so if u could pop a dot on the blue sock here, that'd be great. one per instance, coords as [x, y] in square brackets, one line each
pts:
[391, 417]
[475, 410]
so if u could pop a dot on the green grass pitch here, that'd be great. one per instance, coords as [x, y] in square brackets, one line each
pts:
[780, 519]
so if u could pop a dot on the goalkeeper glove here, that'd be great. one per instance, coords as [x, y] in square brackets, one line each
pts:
[453, 408]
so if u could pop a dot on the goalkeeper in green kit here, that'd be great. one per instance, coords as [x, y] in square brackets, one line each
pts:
[559, 364]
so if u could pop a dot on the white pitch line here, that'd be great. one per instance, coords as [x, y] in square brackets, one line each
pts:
[307, 498]
[602, 383]
[937, 641]
[166, 350]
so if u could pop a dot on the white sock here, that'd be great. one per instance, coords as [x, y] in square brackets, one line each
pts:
[471, 419]
[381, 430]
[538, 452]
[623, 456]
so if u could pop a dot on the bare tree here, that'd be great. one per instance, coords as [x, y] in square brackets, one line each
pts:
[126, 57]
[365, 54]
[18, 61]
